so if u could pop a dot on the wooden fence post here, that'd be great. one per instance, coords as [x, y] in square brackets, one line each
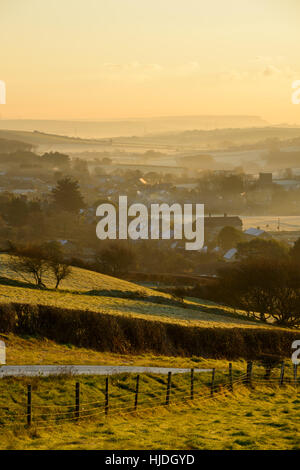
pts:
[77, 400]
[268, 372]
[136, 392]
[29, 406]
[168, 388]
[192, 384]
[249, 373]
[230, 377]
[295, 374]
[212, 387]
[106, 396]
[281, 374]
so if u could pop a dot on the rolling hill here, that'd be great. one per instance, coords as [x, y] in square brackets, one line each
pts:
[97, 292]
[106, 314]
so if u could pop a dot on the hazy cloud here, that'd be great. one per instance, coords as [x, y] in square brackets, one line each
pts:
[139, 71]
[262, 67]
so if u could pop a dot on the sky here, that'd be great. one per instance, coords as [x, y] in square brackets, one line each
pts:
[115, 59]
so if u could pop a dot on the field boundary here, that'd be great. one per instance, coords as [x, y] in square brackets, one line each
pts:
[48, 370]
[127, 334]
[50, 415]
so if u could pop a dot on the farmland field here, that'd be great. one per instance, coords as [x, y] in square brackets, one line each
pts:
[266, 416]
[80, 280]
[24, 350]
[92, 291]
[261, 418]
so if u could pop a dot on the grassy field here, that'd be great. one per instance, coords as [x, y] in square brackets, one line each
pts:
[262, 418]
[202, 314]
[104, 313]
[80, 280]
[265, 417]
[87, 290]
[31, 350]
[42, 138]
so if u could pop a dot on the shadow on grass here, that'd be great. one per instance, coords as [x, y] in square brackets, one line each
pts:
[6, 281]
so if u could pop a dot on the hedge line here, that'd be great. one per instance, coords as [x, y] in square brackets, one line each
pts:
[124, 334]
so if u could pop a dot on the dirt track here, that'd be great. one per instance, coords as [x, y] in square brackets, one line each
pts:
[36, 370]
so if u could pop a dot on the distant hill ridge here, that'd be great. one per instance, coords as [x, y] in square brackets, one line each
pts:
[130, 127]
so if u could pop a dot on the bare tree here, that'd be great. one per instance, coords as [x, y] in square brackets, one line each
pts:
[60, 271]
[29, 261]
[38, 260]
[54, 257]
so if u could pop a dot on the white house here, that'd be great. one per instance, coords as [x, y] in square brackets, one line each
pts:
[230, 254]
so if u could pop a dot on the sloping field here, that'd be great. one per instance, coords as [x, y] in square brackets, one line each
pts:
[88, 290]
[38, 138]
[80, 280]
[123, 306]
[107, 314]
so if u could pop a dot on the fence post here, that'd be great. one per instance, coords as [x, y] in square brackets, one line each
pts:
[268, 372]
[249, 373]
[29, 405]
[295, 374]
[212, 387]
[77, 400]
[230, 377]
[136, 392]
[281, 374]
[106, 396]
[168, 388]
[192, 384]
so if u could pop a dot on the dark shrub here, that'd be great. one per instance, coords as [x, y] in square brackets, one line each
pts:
[8, 318]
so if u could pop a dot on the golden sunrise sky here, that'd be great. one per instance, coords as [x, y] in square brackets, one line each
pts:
[99, 59]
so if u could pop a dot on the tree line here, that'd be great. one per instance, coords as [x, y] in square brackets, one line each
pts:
[264, 281]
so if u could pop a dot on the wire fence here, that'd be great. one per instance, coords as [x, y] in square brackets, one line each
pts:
[220, 384]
